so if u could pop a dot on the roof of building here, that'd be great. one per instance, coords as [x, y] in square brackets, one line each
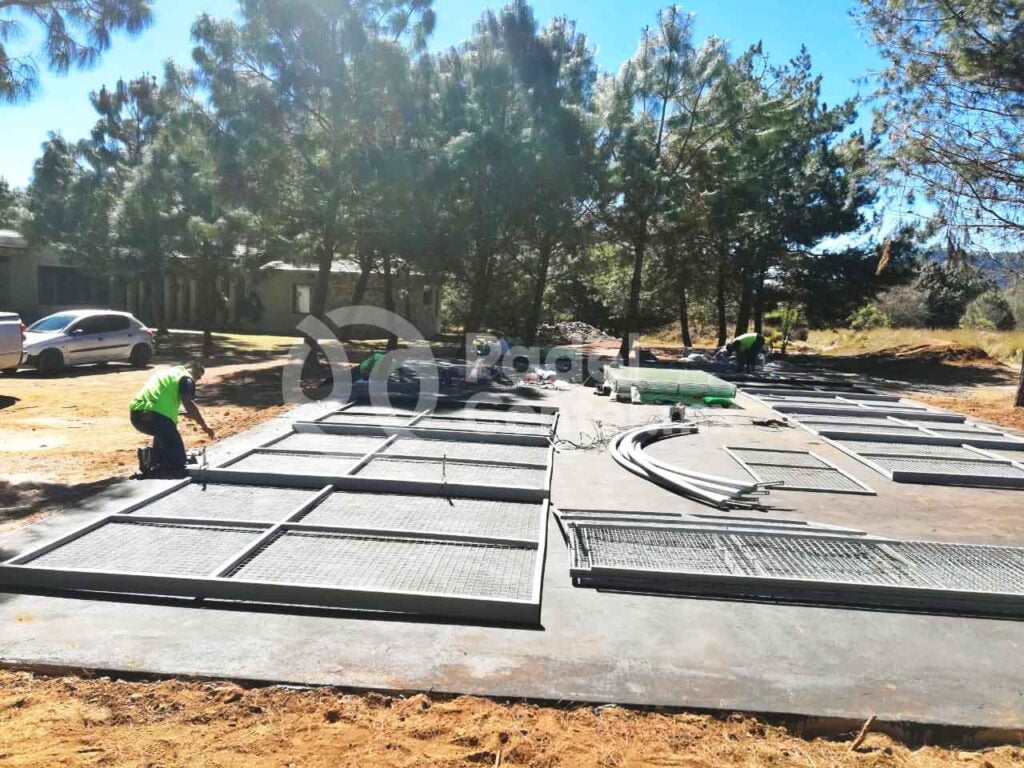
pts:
[10, 238]
[339, 266]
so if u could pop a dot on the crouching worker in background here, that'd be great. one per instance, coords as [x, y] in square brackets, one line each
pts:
[747, 348]
[154, 412]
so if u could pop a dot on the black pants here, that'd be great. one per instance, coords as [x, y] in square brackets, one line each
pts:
[746, 359]
[168, 449]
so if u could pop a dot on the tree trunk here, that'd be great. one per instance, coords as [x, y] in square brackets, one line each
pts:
[541, 284]
[720, 303]
[633, 308]
[322, 284]
[684, 317]
[743, 312]
[366, 261]
[479, 289]
[762, 273]
[1019, 402]
[389, 297]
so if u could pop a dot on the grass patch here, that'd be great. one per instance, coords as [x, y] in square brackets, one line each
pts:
[1005, 346]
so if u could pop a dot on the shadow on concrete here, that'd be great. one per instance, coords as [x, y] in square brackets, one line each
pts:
[6, 401]
[19, 500]
[78, 371]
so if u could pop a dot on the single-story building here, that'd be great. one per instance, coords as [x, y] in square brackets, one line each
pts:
[35, 282]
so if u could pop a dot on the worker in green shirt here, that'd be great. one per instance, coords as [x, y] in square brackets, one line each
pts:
[746, 348]
[154, 412]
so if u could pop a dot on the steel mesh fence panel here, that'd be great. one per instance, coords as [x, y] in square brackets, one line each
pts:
[488, 426]
[227, 501]
[907, 449]
[405, 512]
[152, 548]
[296, 463]
[394, 565]
[823, 479]
[952, 467]
[435, 471]
[778, 458]
[436, 449]
[321, 441]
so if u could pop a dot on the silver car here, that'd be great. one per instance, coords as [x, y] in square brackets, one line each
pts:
[82, 336]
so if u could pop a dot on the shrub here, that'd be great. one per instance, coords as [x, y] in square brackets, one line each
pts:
[989, 312]
[949, 287]
[906, 306]
[867, 317]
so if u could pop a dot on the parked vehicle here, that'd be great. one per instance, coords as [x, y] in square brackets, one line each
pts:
[12, 335]
[84, 336]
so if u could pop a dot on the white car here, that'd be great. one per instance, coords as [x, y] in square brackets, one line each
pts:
[82, 336]
[12, 334]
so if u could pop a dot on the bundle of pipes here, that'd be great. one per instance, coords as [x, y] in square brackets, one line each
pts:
[627, 449]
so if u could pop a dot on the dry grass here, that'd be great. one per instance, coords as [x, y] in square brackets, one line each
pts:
[69, 721]
[1005, 346]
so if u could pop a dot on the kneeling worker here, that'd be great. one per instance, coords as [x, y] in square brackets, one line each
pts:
[746, 348]
[154, 412]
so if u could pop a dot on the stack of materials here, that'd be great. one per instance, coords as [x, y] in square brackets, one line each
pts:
[665, 385]
[775, 561]
[627, 449]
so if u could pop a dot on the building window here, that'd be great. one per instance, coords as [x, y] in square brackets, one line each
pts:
[428, 296]
[302, 299]
[68, 285]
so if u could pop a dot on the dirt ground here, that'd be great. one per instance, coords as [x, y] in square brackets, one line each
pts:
[47, 722]
[65, 438]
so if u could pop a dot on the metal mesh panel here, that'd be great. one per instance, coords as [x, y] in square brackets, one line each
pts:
[778, 458]
[320, 441]
[223, 501]
[827, 479]
[488, 426]
[394, 564]
[295, 463]
[651, 549]
[964, 566]
[373, 419]
[436, 449]
[940, 466]
[452, 472]
[866, 430]
[956, 429]
[503, 519]
[901, 406]
[837, 559]
[1017, 456]
[908, 449]
[485, 414]
[159, 548]
[879, 421]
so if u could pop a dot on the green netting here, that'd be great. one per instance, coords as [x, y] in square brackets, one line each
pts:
[667, 382]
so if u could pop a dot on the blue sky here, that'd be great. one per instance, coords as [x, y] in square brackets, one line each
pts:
[839, 52]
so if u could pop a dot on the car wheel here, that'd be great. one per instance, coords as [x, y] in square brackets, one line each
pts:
[140, 356]
[51, 362]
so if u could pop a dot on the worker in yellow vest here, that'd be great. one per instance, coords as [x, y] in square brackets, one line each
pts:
[746, 348]
[154, 412]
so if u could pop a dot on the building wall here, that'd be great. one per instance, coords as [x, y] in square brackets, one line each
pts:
[23, 288]
[274, 289]
[276, 292]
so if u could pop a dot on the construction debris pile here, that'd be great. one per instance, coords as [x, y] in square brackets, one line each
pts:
[569, 332]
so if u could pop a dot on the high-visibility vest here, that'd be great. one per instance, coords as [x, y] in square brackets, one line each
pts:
[746, 341]
[160, 394]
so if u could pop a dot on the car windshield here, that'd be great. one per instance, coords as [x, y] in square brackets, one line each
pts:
[52, 323]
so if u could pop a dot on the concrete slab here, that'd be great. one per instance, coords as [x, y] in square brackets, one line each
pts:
[593, 646]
